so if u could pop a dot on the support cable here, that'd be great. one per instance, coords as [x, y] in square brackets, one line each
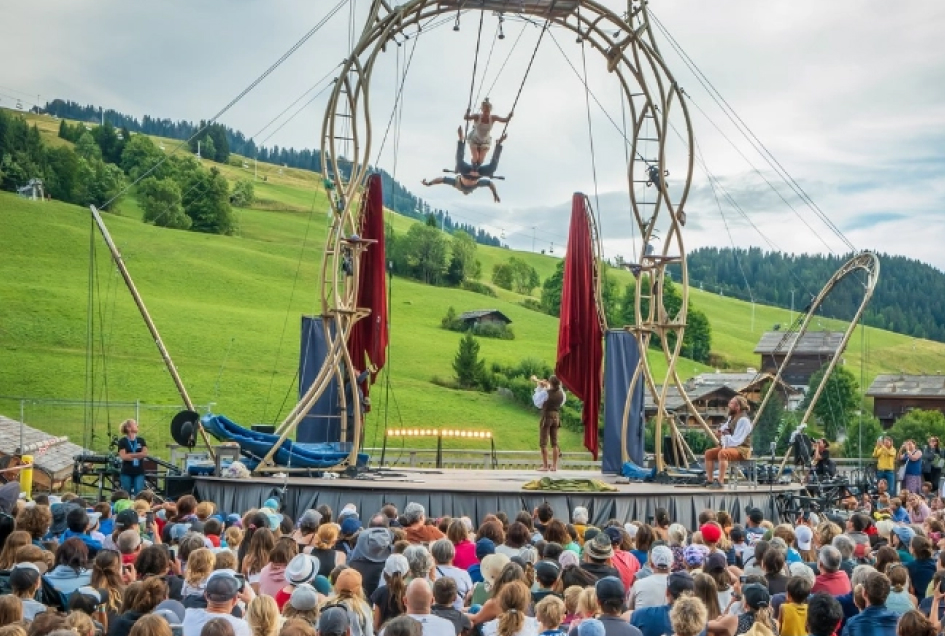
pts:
[295, 47]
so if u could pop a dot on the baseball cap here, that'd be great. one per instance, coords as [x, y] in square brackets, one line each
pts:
[679, 583]
[272, 503]
[804, 537]
[310, 517]
[661, 556]
[222, 586]
[172, 611]
[234, 520]
[333, 621]
[609, 588]
[756, 595]
[614, 534]
[711, 533]
[350, 510]
[98, 595]
[178, 530]
[350, 526]
[484, 547]
[715, 562]
[396, 564]
[304, 598]
[126, 519]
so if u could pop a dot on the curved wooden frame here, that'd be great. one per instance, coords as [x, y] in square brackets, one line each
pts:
[629, 48]
[866, 262]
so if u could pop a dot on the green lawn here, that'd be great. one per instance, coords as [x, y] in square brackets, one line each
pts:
[228, 309]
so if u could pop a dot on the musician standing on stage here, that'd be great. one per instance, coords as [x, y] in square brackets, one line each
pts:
[734, 442]
[132, 450]
[549, 398]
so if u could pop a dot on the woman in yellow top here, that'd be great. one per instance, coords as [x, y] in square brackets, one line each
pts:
[885, 454]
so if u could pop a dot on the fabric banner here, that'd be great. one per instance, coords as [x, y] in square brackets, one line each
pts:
[230, 496]
[369, 336]
[620, 362]
[580, 350]
[323, 422]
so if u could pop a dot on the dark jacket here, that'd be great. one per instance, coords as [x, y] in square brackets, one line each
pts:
[122, 625]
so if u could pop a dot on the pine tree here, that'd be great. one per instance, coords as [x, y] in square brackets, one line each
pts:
[468, 366]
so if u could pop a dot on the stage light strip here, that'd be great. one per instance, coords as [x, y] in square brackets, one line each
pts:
[437, 432]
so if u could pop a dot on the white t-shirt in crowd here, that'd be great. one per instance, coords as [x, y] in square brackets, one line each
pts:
[648, 592]
[530, 628]
[196, 618]
[432, 625]
[463, 582]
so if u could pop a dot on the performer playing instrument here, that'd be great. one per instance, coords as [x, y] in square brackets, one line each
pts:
[734, 442]
[549, 397]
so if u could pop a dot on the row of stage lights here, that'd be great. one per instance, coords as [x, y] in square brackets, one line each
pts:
[436, 432]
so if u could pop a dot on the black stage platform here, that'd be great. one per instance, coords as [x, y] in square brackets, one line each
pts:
[475, 493]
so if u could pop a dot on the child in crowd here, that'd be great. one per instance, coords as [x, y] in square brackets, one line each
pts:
[793, 617]
[550, 614]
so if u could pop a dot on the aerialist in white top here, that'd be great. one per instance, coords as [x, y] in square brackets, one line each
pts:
[480, 137]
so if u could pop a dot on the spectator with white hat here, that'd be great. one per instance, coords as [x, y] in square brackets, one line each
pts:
[651, 591]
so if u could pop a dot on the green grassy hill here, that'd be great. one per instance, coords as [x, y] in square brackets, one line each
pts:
[228, 309]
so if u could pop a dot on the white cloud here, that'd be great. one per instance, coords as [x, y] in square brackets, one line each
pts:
[847, 95]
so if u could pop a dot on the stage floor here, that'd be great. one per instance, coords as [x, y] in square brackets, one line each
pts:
[457, 492]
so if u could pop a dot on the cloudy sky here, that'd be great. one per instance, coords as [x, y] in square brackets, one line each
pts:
[847, 95]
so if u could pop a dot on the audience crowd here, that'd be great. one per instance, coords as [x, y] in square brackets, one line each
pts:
[146, 567]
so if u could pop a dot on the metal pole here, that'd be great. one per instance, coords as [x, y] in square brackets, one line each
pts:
[152, 328]
[137, 410]
[22, 422]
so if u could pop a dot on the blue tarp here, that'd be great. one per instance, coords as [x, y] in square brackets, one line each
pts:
[621, 356]
[296, 455]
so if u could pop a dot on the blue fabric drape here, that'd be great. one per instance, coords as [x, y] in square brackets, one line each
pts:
[621, 357]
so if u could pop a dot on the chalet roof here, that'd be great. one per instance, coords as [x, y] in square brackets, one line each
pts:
[899, 385]
[56, 459]
[479, 313]
[736, 381]
[674, 398]
[811, 343]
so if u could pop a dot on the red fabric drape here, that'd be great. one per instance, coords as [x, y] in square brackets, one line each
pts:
[580, 337]
[369, 336]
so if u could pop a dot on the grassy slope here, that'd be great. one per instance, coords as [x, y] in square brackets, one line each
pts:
[210, 295]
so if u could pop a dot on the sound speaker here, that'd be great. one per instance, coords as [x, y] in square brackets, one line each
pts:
[178, 486]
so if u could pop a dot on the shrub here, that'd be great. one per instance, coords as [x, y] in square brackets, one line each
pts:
[478, 288]
[533, 304]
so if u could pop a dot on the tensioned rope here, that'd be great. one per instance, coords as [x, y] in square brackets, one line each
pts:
[752, 138]
[590, 128]
[528, 71]
[472, 81]
[295, 47]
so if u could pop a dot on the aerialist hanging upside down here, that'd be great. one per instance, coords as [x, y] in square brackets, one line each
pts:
[469, 177]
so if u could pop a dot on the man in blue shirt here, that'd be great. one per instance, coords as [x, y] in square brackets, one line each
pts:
[654, 621]
[78, 522]
[875, 619]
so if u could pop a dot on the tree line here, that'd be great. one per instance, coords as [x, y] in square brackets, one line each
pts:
[218, 141]
[81, 174]
[906, 300]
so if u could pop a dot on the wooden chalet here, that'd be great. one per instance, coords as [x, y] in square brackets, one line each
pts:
[813, 351]
[472, 319]
[53, 457]
[895, 395]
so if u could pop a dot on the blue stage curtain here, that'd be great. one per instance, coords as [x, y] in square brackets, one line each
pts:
[620, 361]
[322, 423]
